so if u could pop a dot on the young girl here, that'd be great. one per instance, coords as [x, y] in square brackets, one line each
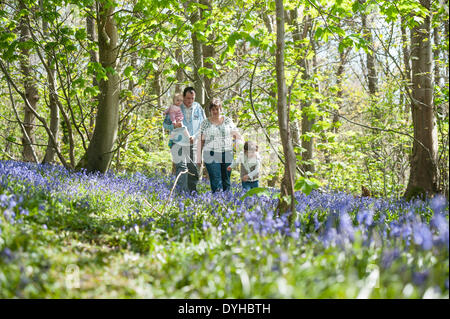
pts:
[250, 164]
[180, 134]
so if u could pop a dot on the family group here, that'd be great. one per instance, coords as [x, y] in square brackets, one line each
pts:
[196, 140]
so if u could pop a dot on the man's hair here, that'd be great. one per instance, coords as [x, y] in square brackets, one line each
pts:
[249, 145]
[189, 89]
[215, 103]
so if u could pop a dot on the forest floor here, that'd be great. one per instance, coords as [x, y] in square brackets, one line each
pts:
[76, 235]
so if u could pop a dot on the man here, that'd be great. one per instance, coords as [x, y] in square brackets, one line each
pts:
[183, 153]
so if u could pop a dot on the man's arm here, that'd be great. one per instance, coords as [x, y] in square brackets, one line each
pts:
[202, 117]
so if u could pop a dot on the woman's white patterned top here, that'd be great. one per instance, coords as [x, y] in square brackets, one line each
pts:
[218, 138]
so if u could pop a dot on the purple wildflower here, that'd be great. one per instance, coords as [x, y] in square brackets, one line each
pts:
[423, 237]
[419, 278]
[365, 217]
[438, 204]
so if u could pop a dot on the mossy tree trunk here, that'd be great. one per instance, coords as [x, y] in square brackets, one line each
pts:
[424, 172]
[197, 59]
[288, 182]
[99, 153]
[52, 147]
[30, 88]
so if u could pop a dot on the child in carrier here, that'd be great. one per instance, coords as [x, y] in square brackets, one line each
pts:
[179, 134]
[250, 163]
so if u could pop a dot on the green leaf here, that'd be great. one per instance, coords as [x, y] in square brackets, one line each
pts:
[306, 185]
[80, 34]
[356, 6]
[205, 71]
[256, 191]
[91, 91]
[128, 71]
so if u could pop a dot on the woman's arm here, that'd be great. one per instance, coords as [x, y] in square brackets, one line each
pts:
[236, 136]
[236, 162]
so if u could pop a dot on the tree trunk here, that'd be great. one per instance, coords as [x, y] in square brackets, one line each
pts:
[424, 172]
[99, 152]
[157, 88]
[446, 33]
[50, 153]
[294, 125]
[406, 60]
[287, 185]
[125, 124]
[339, 74]
[436, 56]
[31, 91]
[267, 21]
[197, 60]
[180, 73]
[208, 53]
[372, 78]
[90, 31]
[307, 123]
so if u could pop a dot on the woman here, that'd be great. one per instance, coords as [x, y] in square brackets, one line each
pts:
[216, 145]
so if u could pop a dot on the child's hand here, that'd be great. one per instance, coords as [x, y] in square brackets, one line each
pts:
[245, 178]
[191, 139]
[229, 168]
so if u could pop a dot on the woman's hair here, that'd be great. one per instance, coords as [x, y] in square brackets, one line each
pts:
[215, 103]
[250, 146]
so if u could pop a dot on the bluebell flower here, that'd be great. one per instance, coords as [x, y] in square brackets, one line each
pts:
[296, 234]
[3, 200]
[329, 237]
[9, 215]
[389, 256]
[284, 257]
[438, 204]
[365, 217]
[12, 203]
[423, 236]
[316, 223]
[419, 278]
[346, 226]
[206, 225]
[7, 253]
[439, 222]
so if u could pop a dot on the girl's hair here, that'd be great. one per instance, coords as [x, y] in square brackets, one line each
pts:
[250, 146]
[177, 95]
[215, 103]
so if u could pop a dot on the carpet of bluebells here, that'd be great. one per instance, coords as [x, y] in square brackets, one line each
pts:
[75, 235]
